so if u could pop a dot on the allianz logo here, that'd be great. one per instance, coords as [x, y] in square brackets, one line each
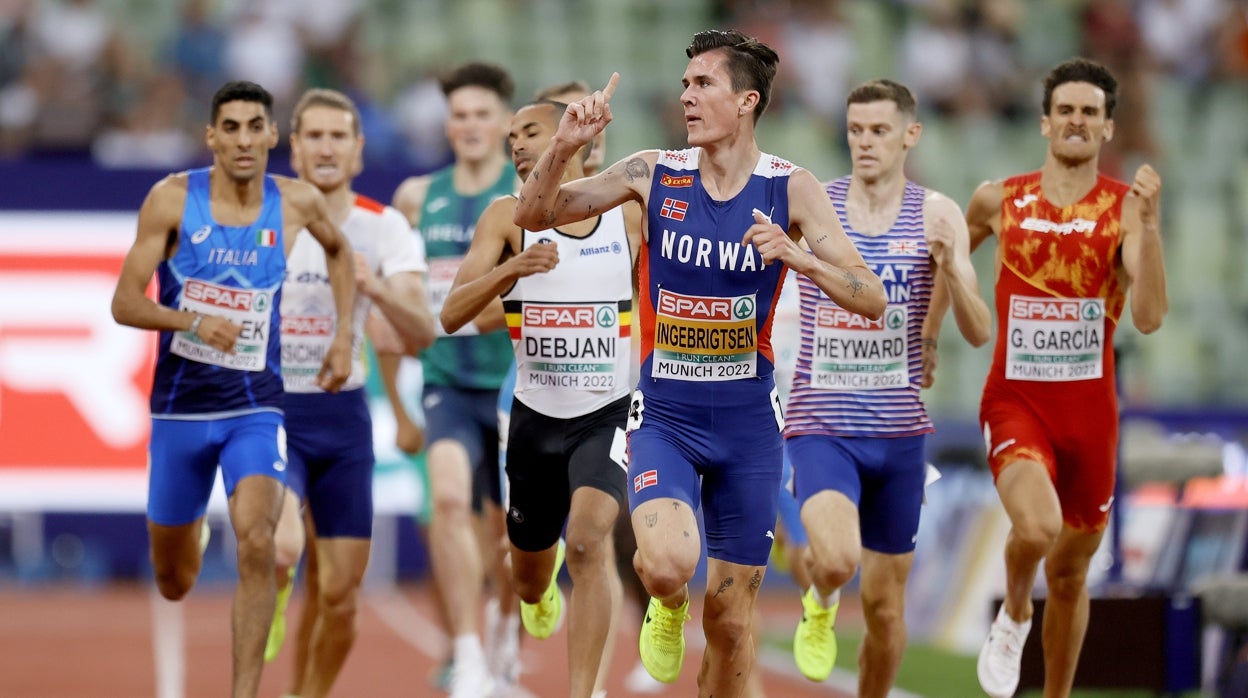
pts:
[614, 248]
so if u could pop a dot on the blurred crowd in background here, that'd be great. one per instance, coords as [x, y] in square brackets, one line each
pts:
[129, 83]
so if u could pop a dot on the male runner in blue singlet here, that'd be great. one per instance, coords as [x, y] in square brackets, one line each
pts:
[219, 238]
[723, 220]
[854, 423]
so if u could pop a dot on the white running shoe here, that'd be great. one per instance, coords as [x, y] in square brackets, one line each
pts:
[471, 682]
[1001, 657]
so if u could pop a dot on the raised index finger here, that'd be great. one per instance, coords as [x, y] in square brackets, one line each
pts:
[610, 88]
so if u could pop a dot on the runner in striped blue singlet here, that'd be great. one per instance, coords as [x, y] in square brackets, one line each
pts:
[855, 425]
[220, 238]
[723, 222]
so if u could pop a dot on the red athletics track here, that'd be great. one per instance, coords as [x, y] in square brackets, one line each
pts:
[98, 643]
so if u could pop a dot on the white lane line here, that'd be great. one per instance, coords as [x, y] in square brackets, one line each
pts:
[168, 645]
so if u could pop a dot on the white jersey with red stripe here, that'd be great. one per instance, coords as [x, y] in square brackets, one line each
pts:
[383, 236]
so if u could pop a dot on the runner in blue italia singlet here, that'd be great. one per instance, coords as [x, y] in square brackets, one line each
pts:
[216, 239]
[234, 272]
[706, 403]
[198, 392]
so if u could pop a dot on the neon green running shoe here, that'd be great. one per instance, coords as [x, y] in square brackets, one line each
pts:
[814, 644]
[542, 619]
[662, 641]
[277, 631]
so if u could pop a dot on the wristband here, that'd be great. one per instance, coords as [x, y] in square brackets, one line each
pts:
[928, 342]
[194, 328]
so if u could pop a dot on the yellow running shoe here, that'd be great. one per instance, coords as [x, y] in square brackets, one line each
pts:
[662, 641]
[814, 645]
[542, 619]
[277, 631]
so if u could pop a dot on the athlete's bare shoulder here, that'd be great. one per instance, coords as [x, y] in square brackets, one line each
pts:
[409, 197]
[983, 213]
[167, 197]
[302, 202]
[937, 204]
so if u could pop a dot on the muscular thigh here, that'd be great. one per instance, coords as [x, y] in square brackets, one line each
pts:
[182, 466]
[1086, 471]
[470, 419]
[254, 445]
[892, 494]
[537, 475]
[597, 456]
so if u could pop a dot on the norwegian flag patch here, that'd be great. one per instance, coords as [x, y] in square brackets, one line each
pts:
[644, 480]
[674, 209]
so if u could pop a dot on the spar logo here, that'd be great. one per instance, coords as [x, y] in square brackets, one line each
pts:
[308, 326]
[698, 307]
[894, 318]
[743, 308]
[573, 316]
[838, 318]
[1054, 309]
[224, 296]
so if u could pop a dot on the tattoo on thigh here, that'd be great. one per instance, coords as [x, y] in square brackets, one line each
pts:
[652, 520]
[756, 581]
[724, 586]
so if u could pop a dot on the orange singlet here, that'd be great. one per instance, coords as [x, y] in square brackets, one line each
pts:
[1050, 394]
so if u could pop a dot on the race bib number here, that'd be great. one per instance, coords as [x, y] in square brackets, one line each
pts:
[251, 308]
[569, 345]
[851, 352]
[1055, 339]
[705, 338]
[305, 342]
[441, 277]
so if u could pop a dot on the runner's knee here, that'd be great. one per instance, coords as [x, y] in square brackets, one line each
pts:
[727, 625]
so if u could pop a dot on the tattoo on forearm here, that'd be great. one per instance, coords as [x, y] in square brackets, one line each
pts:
[636, 169]
[821, 238]
[756, 581]
[652, 520]
[855, 284]
[724, 585]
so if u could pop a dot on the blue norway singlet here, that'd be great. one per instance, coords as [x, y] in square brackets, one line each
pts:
[706, 300]
[860, 377]
[233, 272]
